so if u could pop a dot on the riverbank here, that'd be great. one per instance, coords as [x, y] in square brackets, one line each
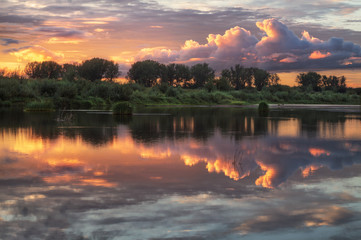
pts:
[83, 94]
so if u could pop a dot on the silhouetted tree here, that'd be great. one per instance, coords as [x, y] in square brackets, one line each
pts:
[238, 76]
[47, 69]
[145, 72]
[182, 75]
[201, 74]
[69, 71]
[260, 78]
[273, 79]
[337, 84]
[167, 74]
[112, 70]
[310, 79]
[50, 69]
[32, 69]
[97, 68]
[223, 84]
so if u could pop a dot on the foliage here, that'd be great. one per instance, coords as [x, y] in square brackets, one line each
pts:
[310, 79]
[39, 106]
[201, 74]
[46, 69]
[260, 78]
[223, 84]
[263, 109]
[122, 108]
[97, 68]
[145, 72]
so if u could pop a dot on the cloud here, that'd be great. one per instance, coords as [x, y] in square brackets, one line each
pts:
[8, 41]
[20, 19]
[34, 53]
[61, 32]
[279, 48]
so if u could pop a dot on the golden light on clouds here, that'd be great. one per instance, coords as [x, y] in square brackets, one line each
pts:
[37, 53]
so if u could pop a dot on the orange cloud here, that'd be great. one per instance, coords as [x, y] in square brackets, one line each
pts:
[56, 40]
[319, 55]
[316, 152]
[288, 60]
[36, 53]
[266, 180]
[157, 27]
[309, 170]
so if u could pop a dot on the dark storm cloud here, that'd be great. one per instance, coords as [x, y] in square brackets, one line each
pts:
[8, 41]
[61, 32]
[20, 19]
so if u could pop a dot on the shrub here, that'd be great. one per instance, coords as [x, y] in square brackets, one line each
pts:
[120, 92]
[122, 108]
[5, 103]
[47, 88]
[39, 106]
[172, 92]
[67, 89]
[263, 109]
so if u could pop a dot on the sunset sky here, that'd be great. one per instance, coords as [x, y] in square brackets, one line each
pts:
[281, 36]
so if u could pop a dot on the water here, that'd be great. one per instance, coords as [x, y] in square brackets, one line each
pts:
[181, 173]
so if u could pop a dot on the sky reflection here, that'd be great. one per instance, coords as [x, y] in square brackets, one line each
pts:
[250, 179]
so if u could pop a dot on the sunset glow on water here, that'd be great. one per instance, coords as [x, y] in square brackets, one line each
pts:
[100, 176]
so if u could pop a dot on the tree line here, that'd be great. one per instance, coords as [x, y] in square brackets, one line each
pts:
[93, 69]
[149, 73]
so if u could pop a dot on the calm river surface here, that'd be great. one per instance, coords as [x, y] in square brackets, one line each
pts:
[181, 173]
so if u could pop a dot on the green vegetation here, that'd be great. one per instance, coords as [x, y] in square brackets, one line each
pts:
[263, 109]
[39, 106]
[90, 85]
[122, 108]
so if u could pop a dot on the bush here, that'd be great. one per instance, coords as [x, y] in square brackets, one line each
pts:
[263, 109]
[122, 108]
[120, 92]
[5, 103]
[47, 88]
[172, 92]
[39, 106]
[67, 89]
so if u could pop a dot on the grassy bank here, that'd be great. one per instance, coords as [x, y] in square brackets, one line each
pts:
[83, 94]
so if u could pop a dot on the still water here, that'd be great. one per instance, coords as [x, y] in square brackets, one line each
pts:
[181, 173]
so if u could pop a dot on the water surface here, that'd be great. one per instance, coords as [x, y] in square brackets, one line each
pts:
[181, 173]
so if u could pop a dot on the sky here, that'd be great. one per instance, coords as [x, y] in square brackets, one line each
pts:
[280, 36]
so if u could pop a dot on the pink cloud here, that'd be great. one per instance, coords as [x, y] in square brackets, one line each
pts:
[319, 55]
[279, 48]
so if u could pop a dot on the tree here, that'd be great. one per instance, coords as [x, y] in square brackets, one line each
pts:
[260, 78]
[310, 79]
[69, 71]
[111, 70]
[274, 79]
[182, 75]
[248, 76]
[47, 69]
[337, 84]
[238, 76]
[201, 74]
[223, 84]
[97, 68]
[32, 69]
[145, 72]
[50, 69]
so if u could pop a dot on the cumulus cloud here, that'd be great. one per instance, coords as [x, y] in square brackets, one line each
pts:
[279, 48]
[34, 53]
